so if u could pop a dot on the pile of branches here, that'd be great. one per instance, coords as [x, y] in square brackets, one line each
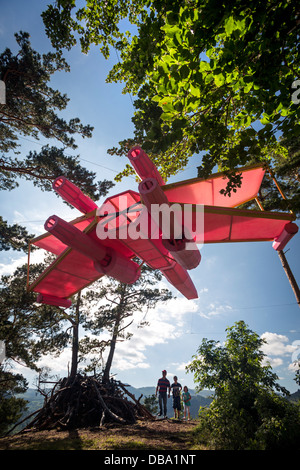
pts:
[86, 401]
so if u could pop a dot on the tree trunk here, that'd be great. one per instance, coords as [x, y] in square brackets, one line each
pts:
[75, 341]
[114, 337]
[112, 348]
[290, 276]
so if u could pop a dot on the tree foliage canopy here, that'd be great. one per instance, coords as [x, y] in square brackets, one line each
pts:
[211, 79]
[237, 367]
[13, 236]
[32, 110]
[246, 413]
[29, 330]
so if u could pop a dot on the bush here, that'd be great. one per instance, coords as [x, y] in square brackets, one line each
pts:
[280, 424]
[273, 423]
[246, 413]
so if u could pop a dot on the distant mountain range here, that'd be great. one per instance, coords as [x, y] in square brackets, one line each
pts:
[203, 399]
[294, 397]
[36, 400]
[197, 400]
[146, 391]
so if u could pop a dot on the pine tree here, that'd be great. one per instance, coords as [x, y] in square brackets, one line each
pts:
[32, 111]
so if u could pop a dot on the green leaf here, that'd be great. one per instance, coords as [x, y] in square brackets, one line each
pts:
[167, 116]
[285, 112]
[247, 121]
[219, 79]
[204, 66]
[265, 119]
[167, 106]
[248, 87]
[195, 91]
[232, 24]
[240, 24]
[157, 97]
[178, 38]
[229, 25]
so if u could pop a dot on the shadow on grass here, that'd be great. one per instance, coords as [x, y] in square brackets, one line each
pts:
[149, 436]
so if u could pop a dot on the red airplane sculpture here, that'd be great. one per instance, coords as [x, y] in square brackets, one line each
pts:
[161, 225]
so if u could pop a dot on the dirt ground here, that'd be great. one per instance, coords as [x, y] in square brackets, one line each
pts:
[165, 434]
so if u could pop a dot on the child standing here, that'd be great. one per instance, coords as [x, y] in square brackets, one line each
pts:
[187, 402]
[176, 389]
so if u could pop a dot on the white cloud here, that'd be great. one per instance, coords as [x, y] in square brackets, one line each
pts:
[176, 309]
[31, 219]
[210, 262]
[59, 365]
[180, 365]
[9, 268]
[166, 323]
[275, 362]
[163, 327]
[213, 310]
[276, 345]
[129, 360]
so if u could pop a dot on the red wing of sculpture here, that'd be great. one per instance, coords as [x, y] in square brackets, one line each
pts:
[160, 225]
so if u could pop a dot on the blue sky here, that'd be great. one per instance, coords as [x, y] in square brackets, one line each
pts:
[235, 281]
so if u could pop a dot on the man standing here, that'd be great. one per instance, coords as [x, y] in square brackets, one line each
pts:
[162, 385]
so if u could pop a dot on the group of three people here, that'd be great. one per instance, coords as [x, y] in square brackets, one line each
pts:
[163, 385]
